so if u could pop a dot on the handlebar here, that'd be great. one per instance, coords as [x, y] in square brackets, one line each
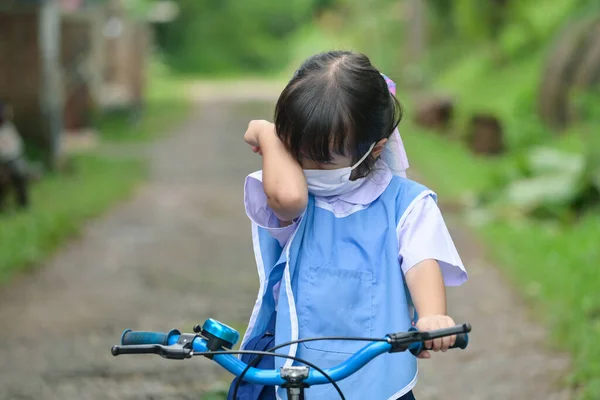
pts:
[174, 345]
[130, 337]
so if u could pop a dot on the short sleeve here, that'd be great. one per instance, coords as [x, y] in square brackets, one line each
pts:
[422, 235]
[257, 209]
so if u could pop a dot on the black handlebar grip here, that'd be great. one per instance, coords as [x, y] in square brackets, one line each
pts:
[462, 341]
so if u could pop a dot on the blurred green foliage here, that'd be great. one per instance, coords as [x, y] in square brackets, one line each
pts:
[241, 37]
[60, 206]
[230, 36]
[541, 205]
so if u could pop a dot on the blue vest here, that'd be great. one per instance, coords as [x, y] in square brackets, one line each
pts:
[340, 276]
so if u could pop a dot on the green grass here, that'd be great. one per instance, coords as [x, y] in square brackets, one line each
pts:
[62, 203]
[508, 92]
[447, 165]
[557, 268]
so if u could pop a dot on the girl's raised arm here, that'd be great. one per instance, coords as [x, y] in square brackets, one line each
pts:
[283, 178]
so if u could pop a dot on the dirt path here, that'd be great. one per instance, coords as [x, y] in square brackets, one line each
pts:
[180, 251]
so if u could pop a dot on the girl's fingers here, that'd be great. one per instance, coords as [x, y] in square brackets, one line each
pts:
[452, 340]
[424, 354]
[449, 340]
[429, 344]
[437, 343]
[445, 343]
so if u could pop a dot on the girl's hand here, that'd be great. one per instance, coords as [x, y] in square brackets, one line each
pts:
[431, 323]
[256, 130]
[283, 179]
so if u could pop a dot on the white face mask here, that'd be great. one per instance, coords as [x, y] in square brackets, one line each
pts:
[333, 182]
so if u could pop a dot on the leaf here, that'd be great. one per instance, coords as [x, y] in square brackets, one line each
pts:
[477, 217]
[593, 159]
[596, 179]
[528, 194]
[544, 160]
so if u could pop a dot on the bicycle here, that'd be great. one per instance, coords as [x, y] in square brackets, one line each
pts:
[215, 341]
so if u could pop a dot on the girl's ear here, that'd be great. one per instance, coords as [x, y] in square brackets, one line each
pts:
[379, 148]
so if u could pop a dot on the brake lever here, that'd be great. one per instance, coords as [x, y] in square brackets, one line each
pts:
[173, 352]
[179, 351]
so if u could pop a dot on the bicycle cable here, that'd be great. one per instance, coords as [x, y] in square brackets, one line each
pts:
[265, 353]
[253, 363]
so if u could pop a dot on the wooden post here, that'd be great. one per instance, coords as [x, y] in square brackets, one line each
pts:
[416, 27]
[417, 30]
[51, 98]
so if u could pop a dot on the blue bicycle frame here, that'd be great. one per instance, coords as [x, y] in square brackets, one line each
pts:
[214, 340]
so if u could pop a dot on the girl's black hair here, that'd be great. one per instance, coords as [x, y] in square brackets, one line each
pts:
[336, 101]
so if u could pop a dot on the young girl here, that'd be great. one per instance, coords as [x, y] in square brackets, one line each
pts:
[345, 244]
